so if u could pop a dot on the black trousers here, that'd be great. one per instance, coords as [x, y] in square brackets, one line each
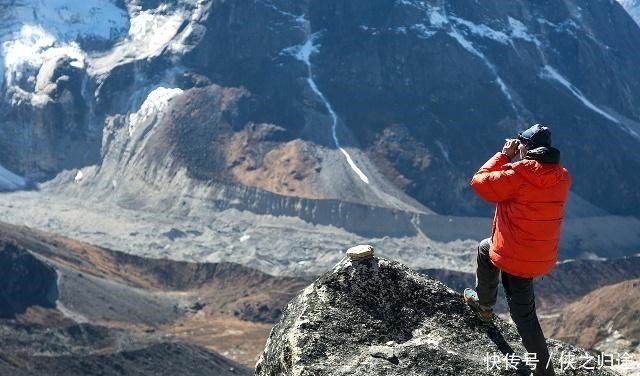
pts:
[522, 304]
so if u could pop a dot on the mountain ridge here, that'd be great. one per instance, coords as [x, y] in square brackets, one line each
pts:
[316, 128]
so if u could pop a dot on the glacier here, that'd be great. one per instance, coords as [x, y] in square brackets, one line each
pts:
[33, 27]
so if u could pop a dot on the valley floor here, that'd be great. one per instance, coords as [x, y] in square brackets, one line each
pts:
[276, 245]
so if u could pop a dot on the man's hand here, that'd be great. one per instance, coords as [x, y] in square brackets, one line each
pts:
[510, 147]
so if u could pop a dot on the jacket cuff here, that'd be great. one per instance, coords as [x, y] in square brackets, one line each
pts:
[506, 157]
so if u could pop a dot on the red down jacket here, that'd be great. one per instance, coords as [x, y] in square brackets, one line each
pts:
[530, 198]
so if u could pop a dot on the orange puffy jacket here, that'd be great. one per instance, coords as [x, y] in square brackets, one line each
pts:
[530, 198]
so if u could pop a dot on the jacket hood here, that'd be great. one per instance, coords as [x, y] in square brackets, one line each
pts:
[541, 167]
[544, 155]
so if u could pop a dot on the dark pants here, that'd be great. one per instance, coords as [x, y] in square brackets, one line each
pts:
[522, 305]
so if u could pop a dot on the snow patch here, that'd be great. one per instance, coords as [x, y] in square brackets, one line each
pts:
[149, 34]
[567, 26]
[69, 19]
[35, 31]
[551, 74]
[443, 150]
[520, 31]
[423, 31]
[32, 54]
[466, 44]
[31, 27]
[303, 53]
[269, 4]
[437, 18]
[633, 8]
[482, 30]
[23, 54]
[153, 107]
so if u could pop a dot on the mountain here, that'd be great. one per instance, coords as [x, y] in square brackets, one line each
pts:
[55, 286]
[378, 317]
[607, 319]
[633, 7]
[391, 105]
[342, 117]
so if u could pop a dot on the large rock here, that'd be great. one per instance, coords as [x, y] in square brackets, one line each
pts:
[378, 317]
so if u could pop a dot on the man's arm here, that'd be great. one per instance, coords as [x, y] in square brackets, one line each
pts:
[494, 182]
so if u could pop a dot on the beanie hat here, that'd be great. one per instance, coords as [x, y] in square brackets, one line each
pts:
[535, 136]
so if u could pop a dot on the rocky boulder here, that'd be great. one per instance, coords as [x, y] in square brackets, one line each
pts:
[378, 317]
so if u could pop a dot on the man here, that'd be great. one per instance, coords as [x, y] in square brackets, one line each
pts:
[530, 195]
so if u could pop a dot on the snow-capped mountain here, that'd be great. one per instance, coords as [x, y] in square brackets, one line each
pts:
[633, 7]
[301, 106]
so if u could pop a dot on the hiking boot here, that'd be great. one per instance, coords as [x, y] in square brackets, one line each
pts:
[484, 313]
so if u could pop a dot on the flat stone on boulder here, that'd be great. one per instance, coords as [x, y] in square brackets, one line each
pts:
[360, 252]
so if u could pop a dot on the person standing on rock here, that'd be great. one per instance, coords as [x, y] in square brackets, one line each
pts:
[530, 196]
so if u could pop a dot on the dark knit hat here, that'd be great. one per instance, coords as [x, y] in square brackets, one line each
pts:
[536, 136]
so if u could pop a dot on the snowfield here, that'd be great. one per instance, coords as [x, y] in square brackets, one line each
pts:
[32, 29]
[36, 32]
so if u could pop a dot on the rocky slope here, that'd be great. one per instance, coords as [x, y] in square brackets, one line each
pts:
[50, 282]
[377, 317]
[40, 336]
[607, 320]
[147, 357]
[602, 319]
[346, 101]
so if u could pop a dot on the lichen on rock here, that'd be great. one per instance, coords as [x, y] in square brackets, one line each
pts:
[378, 317]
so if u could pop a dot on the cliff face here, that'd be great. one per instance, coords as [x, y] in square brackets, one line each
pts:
[378, 317]
[24, 281]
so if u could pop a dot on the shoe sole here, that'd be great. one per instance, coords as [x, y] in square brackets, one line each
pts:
[473, 304]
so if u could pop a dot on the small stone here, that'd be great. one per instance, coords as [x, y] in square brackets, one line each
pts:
[384, 352]
[360, 252]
